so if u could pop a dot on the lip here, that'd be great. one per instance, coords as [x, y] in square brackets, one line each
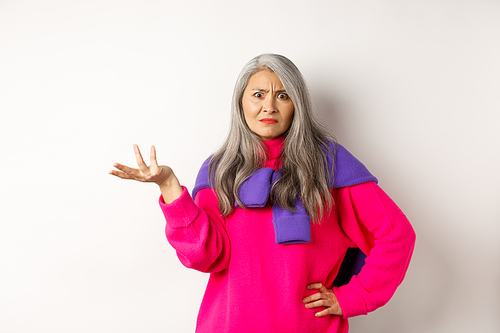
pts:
[268, 121]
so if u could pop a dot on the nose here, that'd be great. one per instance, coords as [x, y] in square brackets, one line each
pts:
[270, 104]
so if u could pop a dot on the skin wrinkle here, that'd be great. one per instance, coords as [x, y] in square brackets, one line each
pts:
[265, 97]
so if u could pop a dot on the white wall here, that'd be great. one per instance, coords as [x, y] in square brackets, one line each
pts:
[410, 87]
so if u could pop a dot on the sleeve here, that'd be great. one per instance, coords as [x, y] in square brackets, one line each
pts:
[373, 222]
[196, 230]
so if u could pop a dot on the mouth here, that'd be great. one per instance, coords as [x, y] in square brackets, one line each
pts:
[268, 121]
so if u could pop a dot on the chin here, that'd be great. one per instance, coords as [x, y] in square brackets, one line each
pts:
[269, 137]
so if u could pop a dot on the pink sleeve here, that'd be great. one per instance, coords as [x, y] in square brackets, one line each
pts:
[196, 230]
[374, 223]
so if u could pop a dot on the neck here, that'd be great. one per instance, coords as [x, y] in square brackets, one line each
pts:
[274, 148]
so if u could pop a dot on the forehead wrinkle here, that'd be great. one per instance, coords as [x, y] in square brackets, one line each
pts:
[265, 84]
[266, 91]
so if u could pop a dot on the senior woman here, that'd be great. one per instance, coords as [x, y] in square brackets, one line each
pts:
[274, 212]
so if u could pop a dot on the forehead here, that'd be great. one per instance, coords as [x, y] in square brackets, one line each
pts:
[264, 78]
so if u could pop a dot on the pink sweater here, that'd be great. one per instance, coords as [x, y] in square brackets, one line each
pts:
[257, 285]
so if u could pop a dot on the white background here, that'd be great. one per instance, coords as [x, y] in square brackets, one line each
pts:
[409, 87]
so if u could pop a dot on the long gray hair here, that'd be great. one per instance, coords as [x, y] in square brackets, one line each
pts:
[304, 170]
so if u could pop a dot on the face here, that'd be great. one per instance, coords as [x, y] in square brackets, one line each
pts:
[267, 107]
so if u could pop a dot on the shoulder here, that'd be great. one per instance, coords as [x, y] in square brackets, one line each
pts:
[203, 178]
[348, 170]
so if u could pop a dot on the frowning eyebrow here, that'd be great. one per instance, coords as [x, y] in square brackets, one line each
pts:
[266, 91]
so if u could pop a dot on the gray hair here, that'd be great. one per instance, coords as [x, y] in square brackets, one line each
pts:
[304, 170]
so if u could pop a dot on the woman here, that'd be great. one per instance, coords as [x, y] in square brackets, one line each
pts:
[275, 210]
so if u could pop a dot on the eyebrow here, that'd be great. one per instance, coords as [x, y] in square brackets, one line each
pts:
[266, 91]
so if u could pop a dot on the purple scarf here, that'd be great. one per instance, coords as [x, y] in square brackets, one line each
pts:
[291, 227]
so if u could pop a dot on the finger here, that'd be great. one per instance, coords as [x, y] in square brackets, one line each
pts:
[322, 289]
[321, 302]
[120, 174]
[130, 171]
[316, 285]
[138, 157]
[153, 157]
[330, 310]
[313, 297]
[323, 313]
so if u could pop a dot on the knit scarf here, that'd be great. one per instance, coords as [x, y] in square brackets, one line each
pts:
[291, 227]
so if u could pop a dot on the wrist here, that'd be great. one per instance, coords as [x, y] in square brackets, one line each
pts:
[170, 181]
[170, 189]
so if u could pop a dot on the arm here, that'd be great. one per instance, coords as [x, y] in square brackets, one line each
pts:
[374, 223]
[197, 231]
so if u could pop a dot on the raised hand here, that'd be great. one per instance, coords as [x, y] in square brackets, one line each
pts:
[324, 298]
[161, 175]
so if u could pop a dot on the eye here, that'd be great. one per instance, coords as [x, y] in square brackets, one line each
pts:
[258, 94]
[282, 96]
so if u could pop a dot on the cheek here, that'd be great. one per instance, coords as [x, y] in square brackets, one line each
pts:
[248, 116]
[249, 109]
[246, 112]
[289, 117]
